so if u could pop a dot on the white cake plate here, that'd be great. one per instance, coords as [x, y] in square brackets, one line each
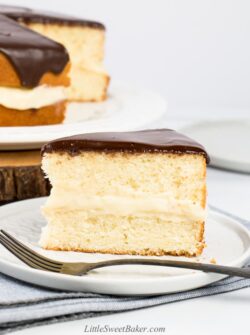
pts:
[227, 142]
[126, 108]
[227, 242]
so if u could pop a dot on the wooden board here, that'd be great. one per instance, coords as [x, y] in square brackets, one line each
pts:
[21, 176]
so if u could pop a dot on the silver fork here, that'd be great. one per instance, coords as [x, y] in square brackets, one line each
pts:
[40, 262]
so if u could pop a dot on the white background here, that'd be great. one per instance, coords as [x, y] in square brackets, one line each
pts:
[196, 52]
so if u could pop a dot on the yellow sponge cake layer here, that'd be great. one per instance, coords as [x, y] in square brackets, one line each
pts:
[148, 204]
[85, 45]
[145, 199]
[42, 116]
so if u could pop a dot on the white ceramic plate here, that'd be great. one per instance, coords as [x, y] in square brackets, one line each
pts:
[227, 241]
[126, 108]
[227, 142]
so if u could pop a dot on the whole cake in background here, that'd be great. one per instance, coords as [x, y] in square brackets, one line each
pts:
[139, 193]
[46, 59]
[84, 41]
[33, 74]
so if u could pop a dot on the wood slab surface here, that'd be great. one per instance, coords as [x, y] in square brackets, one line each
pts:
[21, 176]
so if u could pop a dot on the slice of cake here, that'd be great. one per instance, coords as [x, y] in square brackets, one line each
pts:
[33, 77]
[84, 41]
[140, 193]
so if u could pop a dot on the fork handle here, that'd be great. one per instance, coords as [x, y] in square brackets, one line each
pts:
[227, 270]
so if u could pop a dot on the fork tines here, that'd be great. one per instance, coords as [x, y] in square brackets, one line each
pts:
[27, 255]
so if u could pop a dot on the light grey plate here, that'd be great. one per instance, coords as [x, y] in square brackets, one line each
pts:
[227, 142]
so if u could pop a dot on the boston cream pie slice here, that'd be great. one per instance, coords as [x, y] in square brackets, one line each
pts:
[138, 193]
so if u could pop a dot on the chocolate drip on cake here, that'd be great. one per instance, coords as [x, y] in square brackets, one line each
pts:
[155, 140]
[31, 54]
[28, 15]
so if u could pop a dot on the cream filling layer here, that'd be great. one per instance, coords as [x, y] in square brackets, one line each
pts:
[123, 206]
[40, 96]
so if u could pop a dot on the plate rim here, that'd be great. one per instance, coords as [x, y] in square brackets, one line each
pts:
[216, 161]
[40, 134]
[202, 278]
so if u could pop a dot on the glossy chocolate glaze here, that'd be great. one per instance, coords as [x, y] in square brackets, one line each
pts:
[154, 140]
[31, 54]
[27, 15]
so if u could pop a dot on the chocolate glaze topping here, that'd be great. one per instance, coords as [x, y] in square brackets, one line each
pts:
[27, 15]
[155, 140]
[30, 53]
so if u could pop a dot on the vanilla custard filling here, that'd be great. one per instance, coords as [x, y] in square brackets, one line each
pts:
[120, 205]
[22, 98]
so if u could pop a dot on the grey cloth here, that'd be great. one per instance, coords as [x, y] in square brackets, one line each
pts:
[23, 305]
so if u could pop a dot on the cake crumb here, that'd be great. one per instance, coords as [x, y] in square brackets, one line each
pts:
[213, 261]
